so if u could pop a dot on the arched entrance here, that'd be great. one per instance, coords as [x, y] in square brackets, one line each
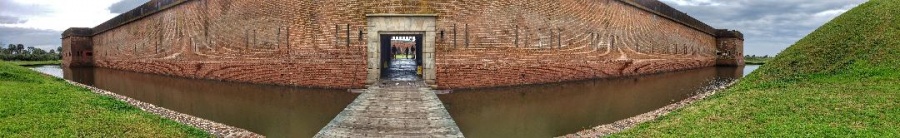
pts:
[401, 57]
[382, 28]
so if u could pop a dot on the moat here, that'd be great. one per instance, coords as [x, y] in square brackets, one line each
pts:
[543, 110]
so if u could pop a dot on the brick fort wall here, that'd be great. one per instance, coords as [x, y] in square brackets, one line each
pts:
[480, 43]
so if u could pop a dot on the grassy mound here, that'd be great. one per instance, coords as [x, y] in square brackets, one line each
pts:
[841, 80]
[35, 105]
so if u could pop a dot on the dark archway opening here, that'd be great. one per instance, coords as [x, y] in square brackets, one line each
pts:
[401, 57]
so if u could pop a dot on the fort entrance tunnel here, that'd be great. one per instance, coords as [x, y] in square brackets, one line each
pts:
[347, 44]
[401, 58]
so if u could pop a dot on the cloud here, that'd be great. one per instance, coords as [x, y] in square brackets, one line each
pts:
[126, 5]
[39, 23]
[39, 38]
[58, 14]
[11, 8]
[769, 26]
[4, 19]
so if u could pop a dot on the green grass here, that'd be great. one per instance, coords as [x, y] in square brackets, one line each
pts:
[36, 105]
[34, 63]
[842, 80]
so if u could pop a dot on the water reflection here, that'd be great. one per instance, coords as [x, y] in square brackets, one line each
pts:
[274, 111]
[558, 109]
[749, 69]
[53, 70]
[523, 111]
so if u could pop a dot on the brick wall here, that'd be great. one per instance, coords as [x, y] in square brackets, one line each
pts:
[77, 47]
[730, 47]
[480, 43]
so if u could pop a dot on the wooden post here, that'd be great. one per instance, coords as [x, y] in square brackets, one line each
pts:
[160, 37]
[454, 35]
[289, 42]
[591, 40]
[336, 35]
[206, 25]
[278, 38]
[550, 34]
[611, 45]
[348, 35]
[540, 39]
[246, 40]
[196, 49]
[467, 35]
[527, 39]
[517, 36]
[559, 39]
[255, 39]
[637, 48]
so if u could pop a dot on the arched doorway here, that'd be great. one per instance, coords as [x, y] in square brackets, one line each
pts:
[382, 28]
[401, 57]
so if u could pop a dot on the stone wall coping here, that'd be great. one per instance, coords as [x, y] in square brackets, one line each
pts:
[702, 27]
[725, 33]
[401, 15]
[138, 13]
[77, 32]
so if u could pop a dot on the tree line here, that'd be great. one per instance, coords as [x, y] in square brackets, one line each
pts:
[18, 52]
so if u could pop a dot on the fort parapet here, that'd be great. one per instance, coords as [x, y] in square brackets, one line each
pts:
[464, 43]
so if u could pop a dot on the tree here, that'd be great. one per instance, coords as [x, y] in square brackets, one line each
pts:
[20, 48]
[11, 48]
[59, 52]
[30, 50]
[36, 51]
[21, 53]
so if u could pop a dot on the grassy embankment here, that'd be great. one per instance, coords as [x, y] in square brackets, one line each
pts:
[35, 63]
[36, 105]
[843, 80]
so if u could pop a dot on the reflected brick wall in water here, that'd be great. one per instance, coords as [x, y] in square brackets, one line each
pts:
[479, 43]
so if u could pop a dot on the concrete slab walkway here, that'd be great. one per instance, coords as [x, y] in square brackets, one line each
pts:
[394, 109]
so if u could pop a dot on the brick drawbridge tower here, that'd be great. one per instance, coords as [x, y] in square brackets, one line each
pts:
[729, 48]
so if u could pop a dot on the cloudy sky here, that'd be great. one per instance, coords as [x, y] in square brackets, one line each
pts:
[39, 23]
[769, 26]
